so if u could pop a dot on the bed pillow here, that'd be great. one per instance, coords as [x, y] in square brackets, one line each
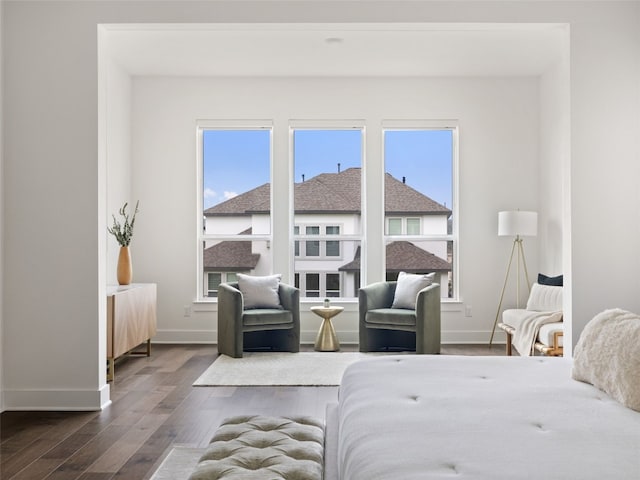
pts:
[545, 298]
[407, 288]
[260, 292]
[607, 356]
[551, 281]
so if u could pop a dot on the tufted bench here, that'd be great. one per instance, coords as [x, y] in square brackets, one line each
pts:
[259, 447]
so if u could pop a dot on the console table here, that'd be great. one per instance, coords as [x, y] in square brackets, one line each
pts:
[131, 321]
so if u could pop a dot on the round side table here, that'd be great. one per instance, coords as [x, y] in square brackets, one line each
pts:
[327, 340]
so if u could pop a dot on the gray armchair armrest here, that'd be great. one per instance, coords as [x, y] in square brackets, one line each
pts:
[230, 308]
[373, 296]
[428, 308]
[290, 300]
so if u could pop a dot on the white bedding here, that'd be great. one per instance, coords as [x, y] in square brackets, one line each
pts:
[430, 417]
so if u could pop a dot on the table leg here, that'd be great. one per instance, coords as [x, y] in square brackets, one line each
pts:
[327, 340]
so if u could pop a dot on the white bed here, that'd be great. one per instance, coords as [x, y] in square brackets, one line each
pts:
[430, 417]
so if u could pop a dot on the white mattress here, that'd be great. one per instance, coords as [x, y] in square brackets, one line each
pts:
[431, 417]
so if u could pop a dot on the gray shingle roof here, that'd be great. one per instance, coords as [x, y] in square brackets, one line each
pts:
[402, 256]
[333, 193]
[230, 256]
[253, 201]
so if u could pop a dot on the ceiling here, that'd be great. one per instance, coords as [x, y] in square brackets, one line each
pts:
[336, 50]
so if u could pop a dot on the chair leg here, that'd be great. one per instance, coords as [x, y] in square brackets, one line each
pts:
[509, 351]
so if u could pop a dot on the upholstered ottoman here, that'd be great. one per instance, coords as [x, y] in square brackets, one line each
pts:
[266, 448]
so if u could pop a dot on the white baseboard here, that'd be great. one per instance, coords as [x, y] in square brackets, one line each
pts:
[185, 336]
[57, 400]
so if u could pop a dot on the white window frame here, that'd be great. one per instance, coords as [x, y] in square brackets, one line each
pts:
[202, 237]
[369, 203]
[418, 125]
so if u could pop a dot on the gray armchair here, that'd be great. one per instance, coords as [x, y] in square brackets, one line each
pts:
[259, 328]
[382, 327]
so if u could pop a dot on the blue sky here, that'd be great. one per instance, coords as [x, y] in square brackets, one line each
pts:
[236, 161]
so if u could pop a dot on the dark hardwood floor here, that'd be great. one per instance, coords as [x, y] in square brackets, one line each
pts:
[154, 407]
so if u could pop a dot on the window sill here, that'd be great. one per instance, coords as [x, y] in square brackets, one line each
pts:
[206, 305]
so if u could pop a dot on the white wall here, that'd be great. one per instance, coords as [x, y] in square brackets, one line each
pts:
[52, 328]
[554, 155]
[498, 120]
[1, 215]
[118, 157]
[605, 166]
[554, 224]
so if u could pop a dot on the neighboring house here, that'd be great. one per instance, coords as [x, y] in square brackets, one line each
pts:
[327, 205]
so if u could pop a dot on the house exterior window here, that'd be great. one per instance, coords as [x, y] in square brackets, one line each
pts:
[332, 285]
[394, 226]
[312, 247]
[413, 226]
[318, 284]
[403, 226]
[317, 248]
[214, 279]
[332, 247]
[312, 285]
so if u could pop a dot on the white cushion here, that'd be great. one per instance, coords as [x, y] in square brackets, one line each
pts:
[407, 288]
[544, 298]
[260, 292]
[545, 335]
[607, 356]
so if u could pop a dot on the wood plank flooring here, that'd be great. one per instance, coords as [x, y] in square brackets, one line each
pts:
[154, 408]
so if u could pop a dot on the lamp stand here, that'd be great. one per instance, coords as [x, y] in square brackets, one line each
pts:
[517, 246]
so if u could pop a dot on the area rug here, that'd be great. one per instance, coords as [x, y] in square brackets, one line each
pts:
[282, 369]
[178, 464]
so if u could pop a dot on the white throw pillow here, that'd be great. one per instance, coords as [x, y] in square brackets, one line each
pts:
[607, 356]
[260, 292]
[407, 288]
[545, 298]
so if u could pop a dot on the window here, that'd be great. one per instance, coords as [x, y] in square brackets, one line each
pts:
[317, 248]
[332, 247]
[419, 191]
[413, 226]
[327, 210]
[312, 247]
[403, 226]
[322, 244]
[394, 226]
[318, 284]
[214, 279]
[332, 285]
[234, 202]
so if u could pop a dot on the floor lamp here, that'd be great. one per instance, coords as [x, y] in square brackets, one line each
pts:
[516, 224]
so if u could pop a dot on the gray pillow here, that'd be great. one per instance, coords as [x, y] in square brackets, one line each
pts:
[260, 292]
[407, 288]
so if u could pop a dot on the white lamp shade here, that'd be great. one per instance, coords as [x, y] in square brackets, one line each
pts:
[512, 223]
